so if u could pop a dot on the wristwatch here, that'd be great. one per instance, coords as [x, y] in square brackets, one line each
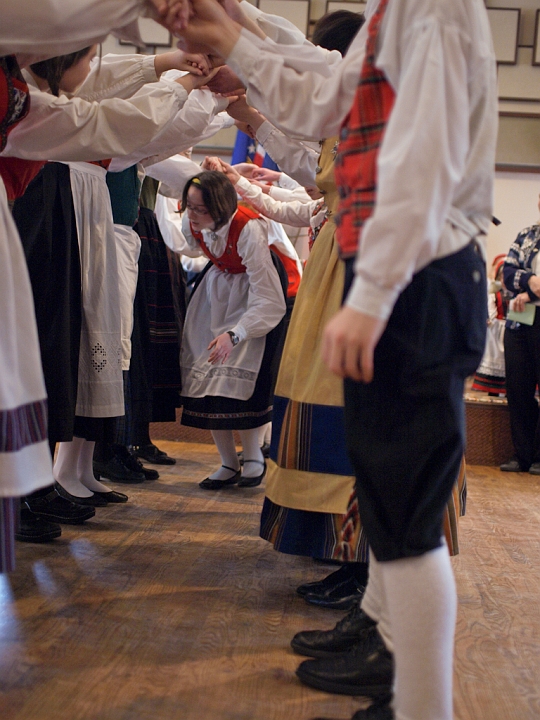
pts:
[234, 338]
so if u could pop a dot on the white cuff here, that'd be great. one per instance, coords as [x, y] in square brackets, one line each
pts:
[149, 69]
[264, 132]
[239, 331]
[370, 299]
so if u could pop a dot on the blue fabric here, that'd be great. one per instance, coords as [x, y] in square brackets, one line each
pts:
[245, 149]
[323, 446]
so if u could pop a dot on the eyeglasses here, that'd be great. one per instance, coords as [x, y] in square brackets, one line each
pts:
[197, 211]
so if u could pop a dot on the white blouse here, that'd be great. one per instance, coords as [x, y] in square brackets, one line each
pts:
[266, 304]
[435, 183]
[294, 212]
[295, 158]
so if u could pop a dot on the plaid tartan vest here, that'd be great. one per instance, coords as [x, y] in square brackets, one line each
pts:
[361, 137]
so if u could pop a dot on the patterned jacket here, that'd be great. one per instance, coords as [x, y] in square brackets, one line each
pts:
[517, 268]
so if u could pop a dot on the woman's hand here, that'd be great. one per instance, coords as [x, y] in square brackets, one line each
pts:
[520, 301]
[226, 82]
[211, 163]
[221, 347]
[534, 284]
[266, 175]
[196, 64]
[230, 172]
[193, 82]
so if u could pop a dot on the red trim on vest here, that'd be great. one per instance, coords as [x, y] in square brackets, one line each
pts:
[291, 268]
[230, 261]
[101, 163]
[17, 174]
[14, 97]
[361, 138]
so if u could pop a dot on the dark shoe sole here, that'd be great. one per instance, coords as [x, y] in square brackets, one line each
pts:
[112, 497]
[40, 538]
[216, 484]
[371, 691]
[346, 603]
[62, 520]
[300, 649]
[94, 500]
[252, 481]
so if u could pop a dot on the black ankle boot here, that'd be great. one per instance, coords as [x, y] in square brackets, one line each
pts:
[345, 635]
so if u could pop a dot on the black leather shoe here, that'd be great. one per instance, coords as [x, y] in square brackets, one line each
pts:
[342, 596]
[132, 463]
[35, 529]
[512, 465]
[326, 643]
[216, 484]
[535, 468]
[114, 469]
[112, 497]
[328, 582]
[56, 509]
[253, 481]
[153, 454]
[93, 501]
[367, 669]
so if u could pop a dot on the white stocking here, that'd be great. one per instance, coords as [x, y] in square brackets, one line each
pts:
[421, 598]
[374, 601]
[85, 469]
[65, 468]
[224, 440]
[252, 451]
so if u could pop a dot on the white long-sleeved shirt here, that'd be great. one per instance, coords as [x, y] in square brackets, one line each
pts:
[48, 28]
[295, 158]
[293, 212]
[436, 162]
[72, 129]
[266, 304]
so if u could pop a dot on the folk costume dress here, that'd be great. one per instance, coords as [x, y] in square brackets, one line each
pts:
[243, 292]
[25, 461]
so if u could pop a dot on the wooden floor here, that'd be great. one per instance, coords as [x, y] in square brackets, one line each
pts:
[172, 608]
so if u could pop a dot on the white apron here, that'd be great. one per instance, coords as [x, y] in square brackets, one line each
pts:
[100, 389]
[128, 249]
[25, 459]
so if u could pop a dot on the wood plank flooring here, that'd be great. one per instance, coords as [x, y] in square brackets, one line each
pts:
[172, 608]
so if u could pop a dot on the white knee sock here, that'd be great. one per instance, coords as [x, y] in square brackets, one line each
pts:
[252, 451]
[265, 434]
[374, 601]
[85, 469]
[224, 440]
[421, 598]
[65, 467]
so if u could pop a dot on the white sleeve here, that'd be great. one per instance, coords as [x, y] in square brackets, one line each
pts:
[266, 303]
[118, 76]
[296, 89]
[285, 195]
[287, 182]
[292, 156]
[48, 28]
[421, 161]
[173, 173]
[74, 129]
[275, 27]
[198, 119]
[295, 213]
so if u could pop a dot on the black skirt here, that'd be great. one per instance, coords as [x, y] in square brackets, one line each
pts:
[45, 218]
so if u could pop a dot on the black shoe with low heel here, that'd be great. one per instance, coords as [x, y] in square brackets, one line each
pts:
[217, 484]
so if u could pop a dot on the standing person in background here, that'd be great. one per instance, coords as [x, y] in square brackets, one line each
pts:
[522, 350]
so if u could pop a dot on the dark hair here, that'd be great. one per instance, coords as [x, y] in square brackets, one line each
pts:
[53, 69]
[219, 196]
[336, 30]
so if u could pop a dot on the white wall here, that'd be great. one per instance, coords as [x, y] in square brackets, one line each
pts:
[516, 206]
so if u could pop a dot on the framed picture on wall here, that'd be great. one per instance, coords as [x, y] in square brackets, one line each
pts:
[152, 34]
[505, 30]
[352, 5]
[295, 11]
[536, 47]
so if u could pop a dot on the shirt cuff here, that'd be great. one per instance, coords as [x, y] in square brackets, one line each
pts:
[244, 54]
[243, 184]
[370, 299]
[240, 332]
[149, 69]
[264, 132]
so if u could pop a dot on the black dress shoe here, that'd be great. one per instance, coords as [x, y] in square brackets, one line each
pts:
[35, 529]
[132, 463]
[512, 465]
[253, 481]
[216, 484]
[328, 582]
[535, 468]
[342, 596]
[93, 501]
[367, 669]
[153, 454]
[58, 509]
[112, 496]
[345, 635]
[114, 469]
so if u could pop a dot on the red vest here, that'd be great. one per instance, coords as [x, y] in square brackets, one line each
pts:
[291, 268]
[230, 261]
[361, 137]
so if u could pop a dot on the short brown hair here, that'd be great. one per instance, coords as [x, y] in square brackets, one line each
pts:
[53, 69]
[219, 195]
